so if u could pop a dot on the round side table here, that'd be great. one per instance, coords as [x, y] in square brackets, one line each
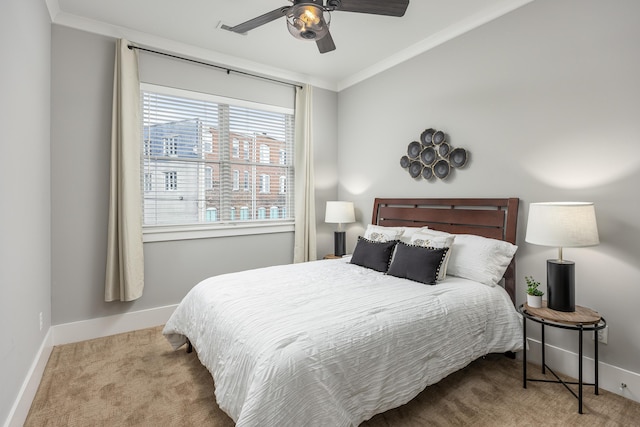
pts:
[582, 320]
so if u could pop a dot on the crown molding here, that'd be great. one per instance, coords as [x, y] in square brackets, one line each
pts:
[182, 49]
[54, 8]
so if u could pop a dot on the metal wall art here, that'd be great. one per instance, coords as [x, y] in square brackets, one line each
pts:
[432, 156]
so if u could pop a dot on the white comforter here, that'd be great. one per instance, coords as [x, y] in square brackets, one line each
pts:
[328, 343]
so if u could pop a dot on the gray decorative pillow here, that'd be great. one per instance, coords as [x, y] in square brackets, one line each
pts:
[435, 239]
[418, 263]
[373, 255]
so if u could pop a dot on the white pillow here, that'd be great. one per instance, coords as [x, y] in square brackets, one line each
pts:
[479, 258]
[378, 233]
[435, 239]
[409, 232]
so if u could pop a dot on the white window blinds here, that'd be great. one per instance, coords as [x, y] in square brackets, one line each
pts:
[206, 158]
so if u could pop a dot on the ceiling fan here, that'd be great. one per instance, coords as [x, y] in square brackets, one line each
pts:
[310, 19]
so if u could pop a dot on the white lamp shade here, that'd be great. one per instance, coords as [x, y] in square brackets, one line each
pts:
[562, 224]
[339, 213]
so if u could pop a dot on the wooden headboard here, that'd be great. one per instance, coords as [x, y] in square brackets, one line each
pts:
[494, 218]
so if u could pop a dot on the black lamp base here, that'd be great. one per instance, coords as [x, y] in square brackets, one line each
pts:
[561, 289]
[339, 243]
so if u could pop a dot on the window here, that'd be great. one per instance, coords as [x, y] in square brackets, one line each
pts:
[212, 214]
[208, 142]
[171, 146]
[201, 146]
[283, 185]
[264, 154]
[208, 177]
[236, 180]
[246, 181]
[244, 213]
[273, 212]
[236, 148]
[148, 183]
[247, 150]
[265, 181]
[171, 181]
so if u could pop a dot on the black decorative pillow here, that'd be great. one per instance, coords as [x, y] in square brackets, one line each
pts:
[373, 255]
[418, 263]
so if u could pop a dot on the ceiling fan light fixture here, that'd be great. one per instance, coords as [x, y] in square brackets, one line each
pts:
[308, 21]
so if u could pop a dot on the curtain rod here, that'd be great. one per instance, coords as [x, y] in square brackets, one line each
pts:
[227, 69]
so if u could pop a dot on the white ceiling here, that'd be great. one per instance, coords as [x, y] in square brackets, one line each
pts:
[366, 44]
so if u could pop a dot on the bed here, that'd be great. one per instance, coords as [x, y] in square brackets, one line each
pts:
[332, 343]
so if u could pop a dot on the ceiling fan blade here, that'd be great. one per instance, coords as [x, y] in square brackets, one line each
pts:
[326, 44]
[258, 21]
[377, 7]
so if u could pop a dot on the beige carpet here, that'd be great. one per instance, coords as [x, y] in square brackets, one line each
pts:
[135, 379]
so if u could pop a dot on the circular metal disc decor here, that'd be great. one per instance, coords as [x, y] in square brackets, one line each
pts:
[427, 137]
[433, 156]
[427, 172]
[428, 156]
[438, 137]
[458, 157]
[414, 149]
[444, 149]
[441, 169]
[415, 169]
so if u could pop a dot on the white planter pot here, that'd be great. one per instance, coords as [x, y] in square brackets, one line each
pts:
[534, 301]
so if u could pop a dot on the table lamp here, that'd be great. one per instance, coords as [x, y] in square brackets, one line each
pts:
[340, 213]
[563, 225]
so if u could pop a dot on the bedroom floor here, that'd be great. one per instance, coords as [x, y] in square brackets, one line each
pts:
[135, 379]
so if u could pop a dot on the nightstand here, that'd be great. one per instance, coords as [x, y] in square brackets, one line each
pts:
[331, 256]
[582, 320]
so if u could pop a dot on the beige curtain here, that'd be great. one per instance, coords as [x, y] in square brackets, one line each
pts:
[305, 225]
[125, 260]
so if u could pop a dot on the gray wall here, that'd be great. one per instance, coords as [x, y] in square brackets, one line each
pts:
[82, 76]
[325, 152]
[25, 231]
[547, 101]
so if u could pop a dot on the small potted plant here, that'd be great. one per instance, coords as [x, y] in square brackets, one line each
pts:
[534, 295]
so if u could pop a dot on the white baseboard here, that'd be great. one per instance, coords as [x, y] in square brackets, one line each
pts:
[20, 409]
[74, 332]
[111, 325]
[610, 377]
